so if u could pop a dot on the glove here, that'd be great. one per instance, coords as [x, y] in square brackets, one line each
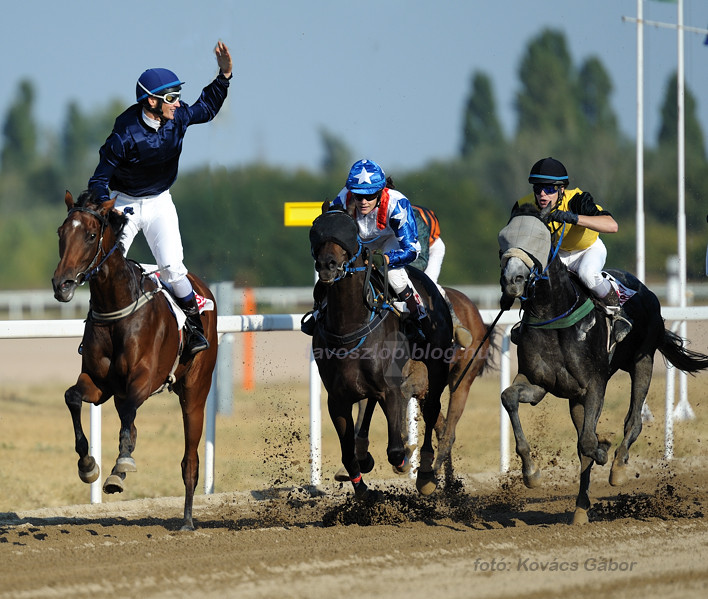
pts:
[378, 259]
[506, 302]
[561, 216]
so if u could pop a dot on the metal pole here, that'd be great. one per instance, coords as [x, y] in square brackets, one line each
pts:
[641, 260]
[95, 449]
[315, 420]
[504, 382]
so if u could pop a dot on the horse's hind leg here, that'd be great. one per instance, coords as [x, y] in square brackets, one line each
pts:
[522, 391]
[74, 397]
[193, 402]
[641, 378]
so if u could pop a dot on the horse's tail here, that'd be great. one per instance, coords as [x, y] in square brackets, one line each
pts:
[687, 360]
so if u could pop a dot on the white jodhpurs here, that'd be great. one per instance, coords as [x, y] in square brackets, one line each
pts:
[398, 279]
[436, 253]
[156, 217]
[588, 264]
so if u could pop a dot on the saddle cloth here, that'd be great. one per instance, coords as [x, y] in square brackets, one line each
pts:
[623, 293]
[203, 303]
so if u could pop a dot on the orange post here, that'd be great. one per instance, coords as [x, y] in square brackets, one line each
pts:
[249, 377]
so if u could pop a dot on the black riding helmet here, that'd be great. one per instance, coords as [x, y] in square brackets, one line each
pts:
[548, 171]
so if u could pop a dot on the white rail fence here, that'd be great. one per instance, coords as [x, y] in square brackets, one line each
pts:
[227, 325]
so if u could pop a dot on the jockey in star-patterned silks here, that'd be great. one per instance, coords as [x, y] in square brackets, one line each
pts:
[386, 226]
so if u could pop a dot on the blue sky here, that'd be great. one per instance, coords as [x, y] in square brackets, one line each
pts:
[390, 77]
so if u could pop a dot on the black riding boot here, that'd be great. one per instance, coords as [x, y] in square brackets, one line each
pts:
[418, 317]
[196, 341]
[621, 325]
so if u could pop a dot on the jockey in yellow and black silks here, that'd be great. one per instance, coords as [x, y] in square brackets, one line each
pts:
[581, 250]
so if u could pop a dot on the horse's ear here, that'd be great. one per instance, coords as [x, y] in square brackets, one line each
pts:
[325, 206]
[105, 207]
[68, 200]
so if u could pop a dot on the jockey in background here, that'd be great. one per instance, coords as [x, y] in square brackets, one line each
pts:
[432, 252]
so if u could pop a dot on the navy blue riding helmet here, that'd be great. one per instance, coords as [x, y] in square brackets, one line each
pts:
[154, 81]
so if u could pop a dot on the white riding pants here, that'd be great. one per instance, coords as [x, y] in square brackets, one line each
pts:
[588, 264]
[156, 217]
[436, 253]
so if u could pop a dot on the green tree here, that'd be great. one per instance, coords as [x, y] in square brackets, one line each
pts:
[19, 150]
[595, 88]
[668, 129]
[481, 125]
[547, 103]
[337, 155]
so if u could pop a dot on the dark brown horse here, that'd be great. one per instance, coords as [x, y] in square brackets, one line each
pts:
[131, 345]
[478, 351]
[362, 354]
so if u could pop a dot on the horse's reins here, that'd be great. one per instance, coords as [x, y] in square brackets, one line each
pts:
[90, 270]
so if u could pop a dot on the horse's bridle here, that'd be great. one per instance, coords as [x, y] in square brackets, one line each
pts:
[83, 276]
[535, 275]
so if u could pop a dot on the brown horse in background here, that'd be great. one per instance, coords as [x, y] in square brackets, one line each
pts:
[131, 347]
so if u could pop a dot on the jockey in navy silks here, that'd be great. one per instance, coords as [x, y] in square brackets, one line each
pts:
[138, 164]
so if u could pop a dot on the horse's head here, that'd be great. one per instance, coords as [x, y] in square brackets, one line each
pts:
[88, 233]
[335, 245]
[524, 247]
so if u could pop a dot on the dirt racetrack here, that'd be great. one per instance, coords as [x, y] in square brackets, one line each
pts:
[270, 535]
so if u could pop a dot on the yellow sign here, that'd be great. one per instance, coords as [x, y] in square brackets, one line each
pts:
[301, 214]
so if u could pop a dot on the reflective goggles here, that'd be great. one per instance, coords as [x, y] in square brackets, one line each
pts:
[547, 189]
[168, 98]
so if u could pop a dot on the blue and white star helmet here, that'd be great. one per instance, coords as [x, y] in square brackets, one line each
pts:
[156, 81]
[366, 177]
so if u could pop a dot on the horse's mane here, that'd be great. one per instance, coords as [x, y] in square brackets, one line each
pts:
[89, 199]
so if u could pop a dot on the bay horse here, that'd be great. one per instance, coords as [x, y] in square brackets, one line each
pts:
[563, 349]
[131, 344]
[361, 352]
[478, 351]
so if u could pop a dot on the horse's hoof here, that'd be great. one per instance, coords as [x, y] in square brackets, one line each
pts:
[113, 484]
[367, 464]
[188, 526]
[426, 482]
[342, 475]
[404, 467]
[532, 479]
[125, 465]
[91, 474]
[580, 517]
[361, 491]
[618, 475]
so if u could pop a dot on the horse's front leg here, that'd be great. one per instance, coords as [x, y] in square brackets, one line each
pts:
[588, 442]
[127, 437]
[340, 412]
[522, 391]
[394, 407]
[83, 391]
[582, 501]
